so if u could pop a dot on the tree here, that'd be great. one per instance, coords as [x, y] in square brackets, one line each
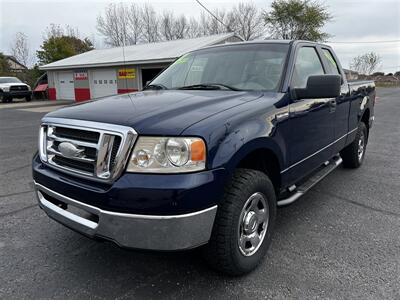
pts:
[246, 21]
[173, 28]
[4, 66]
[135, 24]
[53, 30]
[366, 63]
[114, 25]
[167, 26]
[20, 49]
[297, 19]
[150, 22]
[129, 24]
[221, 23]
[59, 45]
[194, 28]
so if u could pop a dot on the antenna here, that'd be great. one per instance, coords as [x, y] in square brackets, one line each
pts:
[214, 16]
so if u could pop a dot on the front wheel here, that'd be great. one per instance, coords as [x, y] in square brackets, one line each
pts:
[353, 155]
[244, 223]
[28, 98]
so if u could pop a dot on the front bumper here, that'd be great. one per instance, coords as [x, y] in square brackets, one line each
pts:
[17, 94]
[152, 232]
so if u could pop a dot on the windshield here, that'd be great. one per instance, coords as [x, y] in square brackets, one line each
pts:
[9, 80]
[242, 67]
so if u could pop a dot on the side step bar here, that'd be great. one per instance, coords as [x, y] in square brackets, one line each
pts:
[327, 168]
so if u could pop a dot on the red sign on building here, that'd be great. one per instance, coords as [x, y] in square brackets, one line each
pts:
[81, 76]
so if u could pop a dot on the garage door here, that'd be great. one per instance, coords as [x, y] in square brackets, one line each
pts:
[103, 83]
[65, 85]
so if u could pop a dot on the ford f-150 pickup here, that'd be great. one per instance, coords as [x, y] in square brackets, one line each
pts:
[205, 154]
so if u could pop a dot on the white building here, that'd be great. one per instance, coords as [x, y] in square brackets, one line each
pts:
[105, 72]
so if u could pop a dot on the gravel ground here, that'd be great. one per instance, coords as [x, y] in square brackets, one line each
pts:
[339, 241]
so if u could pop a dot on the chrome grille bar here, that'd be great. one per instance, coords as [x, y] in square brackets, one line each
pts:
[102, 161]
[51, 150]
[77, 142]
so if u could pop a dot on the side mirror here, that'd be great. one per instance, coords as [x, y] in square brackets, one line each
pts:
[320, 86]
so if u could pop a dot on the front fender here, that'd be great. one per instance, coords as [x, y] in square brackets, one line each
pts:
[241, 141]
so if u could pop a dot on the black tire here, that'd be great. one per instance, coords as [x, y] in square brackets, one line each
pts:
[223, 252]
[28, 98]
[4, 99]
[353, 155]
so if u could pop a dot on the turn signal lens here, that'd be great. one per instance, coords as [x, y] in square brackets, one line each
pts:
[198, 150]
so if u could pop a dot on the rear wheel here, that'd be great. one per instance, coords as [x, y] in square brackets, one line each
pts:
[353, 155]
[243, 225]
[28, 98]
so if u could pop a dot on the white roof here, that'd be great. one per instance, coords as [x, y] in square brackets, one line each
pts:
[137, 54]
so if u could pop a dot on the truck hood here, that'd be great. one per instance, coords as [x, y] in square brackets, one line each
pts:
[157, 112]
[8, 84]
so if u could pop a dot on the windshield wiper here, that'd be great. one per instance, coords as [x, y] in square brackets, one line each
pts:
[208, 86]
[155, 86]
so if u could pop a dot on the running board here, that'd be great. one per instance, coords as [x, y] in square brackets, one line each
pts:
[327, 168]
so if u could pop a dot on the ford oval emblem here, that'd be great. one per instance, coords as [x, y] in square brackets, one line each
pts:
[70, 150]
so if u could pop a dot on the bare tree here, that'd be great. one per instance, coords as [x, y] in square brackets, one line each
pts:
[247, 21]
[150, 23]
[218, 24]
[20, 49]
[181, 27]
[194, 28]
[114, 25]
[135, 24]
[53, 30]
[123, 24]
[366, 63]
[167, 25]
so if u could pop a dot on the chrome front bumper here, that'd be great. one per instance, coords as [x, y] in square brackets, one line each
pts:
[173, 232]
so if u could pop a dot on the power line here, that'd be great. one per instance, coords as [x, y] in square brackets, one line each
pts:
[366, 42]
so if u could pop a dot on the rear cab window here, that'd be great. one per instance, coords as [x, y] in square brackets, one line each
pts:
[333, 68]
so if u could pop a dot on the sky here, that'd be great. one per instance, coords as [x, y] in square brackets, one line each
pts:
[354, 22]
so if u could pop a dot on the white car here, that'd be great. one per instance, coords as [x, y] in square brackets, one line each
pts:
[12, 87]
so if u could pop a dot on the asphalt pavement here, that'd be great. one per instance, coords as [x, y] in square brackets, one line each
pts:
[339, 241]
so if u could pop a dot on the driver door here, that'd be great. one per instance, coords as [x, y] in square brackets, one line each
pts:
[311, 121]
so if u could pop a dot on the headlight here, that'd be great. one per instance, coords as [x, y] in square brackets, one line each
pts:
[6, 89]
[168, 155]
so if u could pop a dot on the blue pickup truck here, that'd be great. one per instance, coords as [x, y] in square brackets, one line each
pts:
[207, 152]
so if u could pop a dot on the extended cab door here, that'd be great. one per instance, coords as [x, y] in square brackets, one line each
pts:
[341, 127]
[311, 121]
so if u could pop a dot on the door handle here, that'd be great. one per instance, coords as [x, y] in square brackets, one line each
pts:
[332, 105]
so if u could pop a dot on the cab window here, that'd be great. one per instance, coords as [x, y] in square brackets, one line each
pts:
[332, 65]
[307, 64]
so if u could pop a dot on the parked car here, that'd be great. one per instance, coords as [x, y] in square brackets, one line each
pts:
[12, 87]
[207, 152]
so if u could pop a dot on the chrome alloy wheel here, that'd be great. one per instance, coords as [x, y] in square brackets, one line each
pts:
[253, 224]
[361, 146]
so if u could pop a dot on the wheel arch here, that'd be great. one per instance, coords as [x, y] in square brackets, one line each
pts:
[261, 154]
[365, 117]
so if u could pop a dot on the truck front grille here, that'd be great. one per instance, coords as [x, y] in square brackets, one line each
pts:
[18, 88]
[87, 149]
[76, 134]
